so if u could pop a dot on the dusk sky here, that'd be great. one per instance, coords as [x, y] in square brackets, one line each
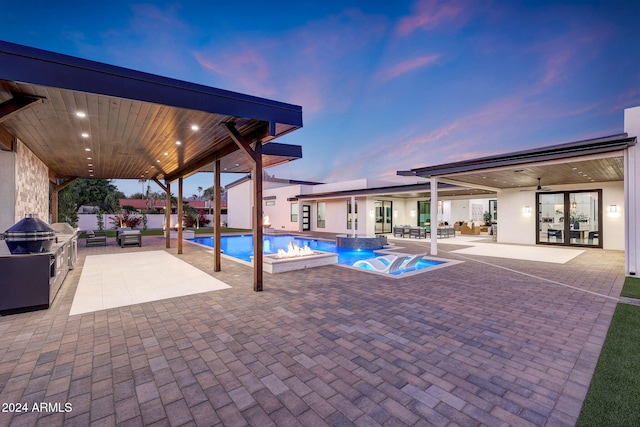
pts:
[384, 85]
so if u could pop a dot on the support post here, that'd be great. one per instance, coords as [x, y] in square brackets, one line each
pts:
[180, 215]
[434, 216]
[54, 203]
[257, 219]
[217, 206]
[167, 218]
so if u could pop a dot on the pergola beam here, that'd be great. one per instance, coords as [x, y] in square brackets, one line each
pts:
[15, 105]
[255, 154]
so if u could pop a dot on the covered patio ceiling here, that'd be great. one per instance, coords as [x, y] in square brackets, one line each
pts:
[92, 120]
[581, 162]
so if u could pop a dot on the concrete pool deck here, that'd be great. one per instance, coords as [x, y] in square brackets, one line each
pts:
[491, 341]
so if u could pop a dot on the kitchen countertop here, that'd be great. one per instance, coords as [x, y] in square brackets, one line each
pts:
[62, 239]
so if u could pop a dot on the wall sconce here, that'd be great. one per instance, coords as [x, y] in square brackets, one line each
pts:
[395, 213]
[613, 209]
[527, 209]
[372, 213]
[413, 212]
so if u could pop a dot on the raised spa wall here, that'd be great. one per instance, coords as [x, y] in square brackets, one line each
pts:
[361, 242]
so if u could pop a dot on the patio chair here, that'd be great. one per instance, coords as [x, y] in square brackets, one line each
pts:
[96, 238]
[397, 231]
[133, 237]
[406, 231]
[377, 265]
[554, 233]
[418, 232]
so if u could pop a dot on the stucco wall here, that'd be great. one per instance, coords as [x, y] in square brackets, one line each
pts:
[239, 205]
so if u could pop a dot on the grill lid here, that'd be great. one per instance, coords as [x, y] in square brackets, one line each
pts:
[30, 228]
[30, 235]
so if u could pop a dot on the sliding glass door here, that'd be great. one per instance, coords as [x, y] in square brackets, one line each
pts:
[383, 216]
[570, 218]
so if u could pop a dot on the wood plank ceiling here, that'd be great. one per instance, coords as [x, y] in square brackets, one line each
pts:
[121, 138]
[575, 171]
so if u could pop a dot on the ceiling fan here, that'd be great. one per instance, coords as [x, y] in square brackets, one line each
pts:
[540, 187]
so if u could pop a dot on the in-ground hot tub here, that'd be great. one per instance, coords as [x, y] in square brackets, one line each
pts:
[360, 242]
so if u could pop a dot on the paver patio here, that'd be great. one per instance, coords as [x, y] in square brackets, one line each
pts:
[474, 344]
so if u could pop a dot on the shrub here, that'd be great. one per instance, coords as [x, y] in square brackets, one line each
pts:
[125, 219]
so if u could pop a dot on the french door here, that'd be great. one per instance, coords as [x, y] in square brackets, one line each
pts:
[383, 216]
[570, 218]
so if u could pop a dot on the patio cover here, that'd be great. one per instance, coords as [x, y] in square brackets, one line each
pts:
[137, 125]
[603, 158]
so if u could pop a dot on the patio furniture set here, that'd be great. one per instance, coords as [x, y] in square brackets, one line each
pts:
[124, 237]
[422, 232]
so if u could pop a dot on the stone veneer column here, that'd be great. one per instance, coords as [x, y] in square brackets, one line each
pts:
[31, 184]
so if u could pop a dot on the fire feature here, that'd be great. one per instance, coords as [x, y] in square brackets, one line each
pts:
[294, 251]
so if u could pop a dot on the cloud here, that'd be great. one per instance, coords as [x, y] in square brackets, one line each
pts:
[316, 65]
[430, 14]
[405, 66]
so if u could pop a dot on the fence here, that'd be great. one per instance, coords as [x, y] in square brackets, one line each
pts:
[154, 221]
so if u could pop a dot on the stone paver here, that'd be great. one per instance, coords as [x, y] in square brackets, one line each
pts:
[472, 344]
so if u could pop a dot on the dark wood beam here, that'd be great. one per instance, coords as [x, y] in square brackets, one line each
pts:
[180, 180]
[257, 220]
[208, 157]
[161, 185]
[65, 184]
[240, 140]
[7, 141]
[18, 103]
[167, 217]
[217, 202]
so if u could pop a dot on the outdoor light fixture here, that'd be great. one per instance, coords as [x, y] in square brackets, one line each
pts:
[527, 209]
[372, 213]
[413, 212]
[613, 209]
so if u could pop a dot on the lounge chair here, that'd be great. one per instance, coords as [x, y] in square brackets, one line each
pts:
[96, 238]
[412, 261]
[377, 265]
[133, 237]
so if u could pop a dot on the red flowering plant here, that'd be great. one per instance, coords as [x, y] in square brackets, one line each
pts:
[125, 219]
[193, 216]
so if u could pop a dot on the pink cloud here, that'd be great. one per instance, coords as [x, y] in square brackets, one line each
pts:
[246, 67]
[405, 67]
[428, 15]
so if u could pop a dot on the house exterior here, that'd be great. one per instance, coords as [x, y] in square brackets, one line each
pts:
[361, 206]
[579, 194]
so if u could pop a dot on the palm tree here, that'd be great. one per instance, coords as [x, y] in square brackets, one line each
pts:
[199, 191]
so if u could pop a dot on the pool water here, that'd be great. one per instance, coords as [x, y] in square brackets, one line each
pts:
[241, 247]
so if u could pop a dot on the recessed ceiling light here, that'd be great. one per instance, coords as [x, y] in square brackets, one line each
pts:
[194, 127]
[90, 164]
[88, 158]
[87, 149]
[166, 154]
[81, 114]
[158, 161]
[178, 143]
[84, 135]
[152, 166]
[237, 165]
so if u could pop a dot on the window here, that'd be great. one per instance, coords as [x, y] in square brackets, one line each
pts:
[294, 212]
[321, 214]
[570, 218]
[352, 216]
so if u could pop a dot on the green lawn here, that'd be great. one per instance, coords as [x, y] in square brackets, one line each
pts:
[612, 399]
[159, 232]
[631, 288]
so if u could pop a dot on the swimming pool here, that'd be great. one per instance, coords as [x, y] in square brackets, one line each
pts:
[241, 247]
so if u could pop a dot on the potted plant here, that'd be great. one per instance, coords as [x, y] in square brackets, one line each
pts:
[487, 218]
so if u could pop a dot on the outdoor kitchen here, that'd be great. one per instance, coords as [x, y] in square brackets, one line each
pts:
[35, 258]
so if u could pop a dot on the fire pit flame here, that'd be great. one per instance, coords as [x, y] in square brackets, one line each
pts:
[294, 250]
